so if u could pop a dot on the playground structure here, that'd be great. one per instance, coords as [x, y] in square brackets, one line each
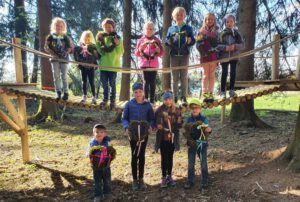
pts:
[20, 91]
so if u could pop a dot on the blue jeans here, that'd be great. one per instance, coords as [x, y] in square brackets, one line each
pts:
[102, 182]
[202, 154]
[59, 71]
[108, 78]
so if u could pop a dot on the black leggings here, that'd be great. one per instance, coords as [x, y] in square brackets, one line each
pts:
[87, 73]
[149, 78]
[166, 152]
[225, 74]
[140, 159]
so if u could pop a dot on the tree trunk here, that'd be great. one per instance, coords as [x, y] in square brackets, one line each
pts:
[293, 151]
[125, 83]
[34, 76]
[46, 109]
[167, 21]
[245, 70]
[21, 29]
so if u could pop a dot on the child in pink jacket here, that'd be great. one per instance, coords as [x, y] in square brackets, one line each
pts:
[149, 48]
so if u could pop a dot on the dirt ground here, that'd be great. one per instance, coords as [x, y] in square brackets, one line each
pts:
[243, 163]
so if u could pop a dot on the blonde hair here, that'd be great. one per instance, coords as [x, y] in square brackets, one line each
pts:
[178, 10]
[215, 26]
[108, 21]
[85, 34]
[147, 24]
[54, 22]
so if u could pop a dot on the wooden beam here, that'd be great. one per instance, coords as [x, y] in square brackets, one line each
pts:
[275, 57]
[298, 66]
[10, 122]
[18, 61]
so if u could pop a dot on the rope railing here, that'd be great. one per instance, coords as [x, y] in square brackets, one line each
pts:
[128, 70]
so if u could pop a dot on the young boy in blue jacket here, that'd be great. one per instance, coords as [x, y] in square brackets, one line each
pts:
[179, 39]
[198, 134]
[138, 110]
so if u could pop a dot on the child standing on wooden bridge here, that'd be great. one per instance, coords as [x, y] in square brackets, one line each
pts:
[168, 121]
[59, 45]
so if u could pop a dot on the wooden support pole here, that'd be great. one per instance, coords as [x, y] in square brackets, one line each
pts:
[223, 108]
[21, 101]
[10, 122]
[298, 66]
[275, 58]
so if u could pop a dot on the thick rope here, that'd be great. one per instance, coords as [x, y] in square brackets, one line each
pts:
[128, 70]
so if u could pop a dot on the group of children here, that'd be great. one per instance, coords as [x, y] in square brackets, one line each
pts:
[107, 49]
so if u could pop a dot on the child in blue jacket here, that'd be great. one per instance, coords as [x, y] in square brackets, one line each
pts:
[179, 39]
[138, 121]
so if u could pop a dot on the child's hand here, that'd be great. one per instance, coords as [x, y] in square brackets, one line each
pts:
[232, 47]
[188, 40]
[69, 50]
[116, 40]
[159, 127]
[100, 37]
[169, 42]
[208, 130]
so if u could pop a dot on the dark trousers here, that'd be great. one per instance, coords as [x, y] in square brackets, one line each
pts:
[166, 152]
[108, 78]
[102, 182]
[87, 73]
[149, 78]
[225, 74]
[138, 161]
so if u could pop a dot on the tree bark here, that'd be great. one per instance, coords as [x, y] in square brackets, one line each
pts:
[34, 76]
[46, 109]
[245, 70]
[167, 21]
[125, 83]
[21, 26]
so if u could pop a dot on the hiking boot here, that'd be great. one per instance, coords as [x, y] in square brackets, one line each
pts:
[223, 95]
[164, 182]
[170, 180]
[94, 100]
[58, 96]
[65, 97]
[142, 185]
[135, 185]
[188, 185]
[232, 93]
[83, 100]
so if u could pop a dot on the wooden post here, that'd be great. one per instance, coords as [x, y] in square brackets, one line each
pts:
[223, 108]
[275, 58]
[298, 66]
[21, 101]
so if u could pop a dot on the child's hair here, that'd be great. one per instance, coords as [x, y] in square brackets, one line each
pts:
[99, 126]
[215, 26]
[228, 16]
[178, 10]
[54, 22]
[85, 34]
[108, 21]
[147, 24]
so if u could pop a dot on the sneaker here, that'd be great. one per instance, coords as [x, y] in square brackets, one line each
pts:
[223, 95]
[97, 199]
[164, 182]
[142, 185]
[103, 103]
[170, 180]
[135, 185]
[112, 104]
[65, 97]
[204, 187]
[188, 185]
[94, 100]
[232, 93]
[83, 100]
[58, 96]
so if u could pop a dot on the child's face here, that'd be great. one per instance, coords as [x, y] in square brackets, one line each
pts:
[210, 21]
[179, 17]
[108, 28]
[99, 134]
[87, 39]
[230, 23]
[139, 94]
[195, 109]
[168, 102]
[60, 28]
[149, 31]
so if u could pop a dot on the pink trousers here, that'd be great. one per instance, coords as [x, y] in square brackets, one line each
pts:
[208, 80]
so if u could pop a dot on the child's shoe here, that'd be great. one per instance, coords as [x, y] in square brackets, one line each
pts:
[163, 182]
[97, 199]
[170, 180]
[232, 93]
[223, 95]
[94, 100]
[188, 185]
[142, 185]
[204, 187]
[58, 96]
[112, 104]
[135, 185]
[65, 97]
[83, 100]
[103, 103]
